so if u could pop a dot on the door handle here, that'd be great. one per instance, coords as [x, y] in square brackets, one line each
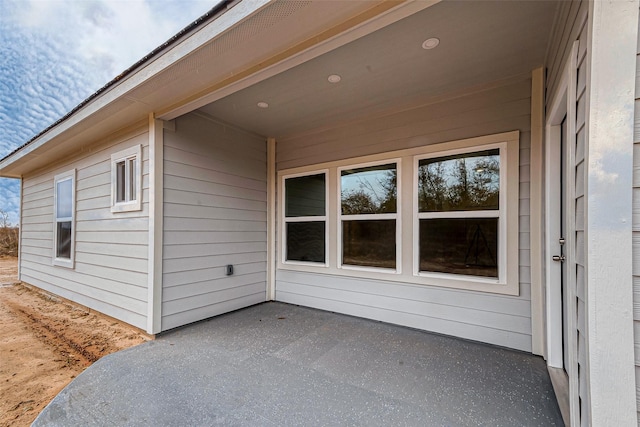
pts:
[559, 258]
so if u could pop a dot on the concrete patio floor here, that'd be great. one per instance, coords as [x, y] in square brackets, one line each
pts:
[276, 364]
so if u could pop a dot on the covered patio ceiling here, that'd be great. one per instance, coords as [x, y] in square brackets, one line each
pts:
[479, 43]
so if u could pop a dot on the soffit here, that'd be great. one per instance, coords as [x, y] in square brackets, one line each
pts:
[480, 42]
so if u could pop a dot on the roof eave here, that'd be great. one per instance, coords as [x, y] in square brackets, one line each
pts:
[10, 164]
[101, 115]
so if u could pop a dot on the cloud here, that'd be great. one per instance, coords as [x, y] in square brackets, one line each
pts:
[109, 36]
[10, 198]
[57, 53]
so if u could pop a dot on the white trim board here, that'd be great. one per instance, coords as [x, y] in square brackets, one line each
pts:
[156, 227]
[537, 211]
[612, 39]
[272, 182]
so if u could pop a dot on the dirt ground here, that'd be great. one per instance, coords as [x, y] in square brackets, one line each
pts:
[45, 342]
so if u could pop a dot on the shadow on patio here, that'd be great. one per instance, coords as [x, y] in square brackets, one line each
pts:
[278, 364]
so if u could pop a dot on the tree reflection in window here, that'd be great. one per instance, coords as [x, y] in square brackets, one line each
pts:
[369, 212]
[370, 190]
[458, 203]
[469, 181]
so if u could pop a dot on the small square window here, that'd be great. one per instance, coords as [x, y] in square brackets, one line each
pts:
[306, 241]
[369, 243]
[459, 246]
[126, 179]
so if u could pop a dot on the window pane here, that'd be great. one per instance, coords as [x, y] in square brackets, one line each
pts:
[132, 179]
[305, 241]
[63, 243]
[120, 182]
[64, 199]
[459, 246]
[305, 196]
[463, 182]
[369, 190]
[369, 243]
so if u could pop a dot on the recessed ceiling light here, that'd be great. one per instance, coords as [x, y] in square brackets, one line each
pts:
[430, 43]
[263, 104]
[334, 78]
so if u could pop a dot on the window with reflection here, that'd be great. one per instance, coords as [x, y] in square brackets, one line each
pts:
[459, 213]
[64, 197]
[369, 199]
[305, 218]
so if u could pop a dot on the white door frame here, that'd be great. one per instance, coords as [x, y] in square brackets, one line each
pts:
[563, 103]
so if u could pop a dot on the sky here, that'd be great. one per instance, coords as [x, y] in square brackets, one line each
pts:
[56, 53]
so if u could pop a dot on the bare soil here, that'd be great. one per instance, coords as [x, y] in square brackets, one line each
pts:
[45, 342]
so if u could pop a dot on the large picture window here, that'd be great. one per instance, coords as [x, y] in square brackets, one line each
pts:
[368, 208]
[305, 213]
[459, 212]
[436, 215]
[64, 213]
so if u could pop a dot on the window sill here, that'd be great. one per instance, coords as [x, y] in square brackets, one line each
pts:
[61, 262]
[458, 277]
[305, 264]
[357, 268]
[127, 207]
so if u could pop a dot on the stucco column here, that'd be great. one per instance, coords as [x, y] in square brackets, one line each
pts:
[613, 27]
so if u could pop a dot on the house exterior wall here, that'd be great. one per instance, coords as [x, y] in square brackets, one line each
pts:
[636, 227]
[597, 33]
[110, 271]
[612, 39]
[571, 27]
[579, 203]
[497, 319]
[215, 202]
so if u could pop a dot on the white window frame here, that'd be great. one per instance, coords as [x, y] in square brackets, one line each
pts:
[499, 213]
[507, 282]
[397, 216]
[64, 262]
[285, 220]
[129, 204]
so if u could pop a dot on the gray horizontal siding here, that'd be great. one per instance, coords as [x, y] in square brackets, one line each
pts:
[636, 227]
[496, 319]
[214, 210]
[465, 314]
[110, 273]
[491, 111]
[569, 26]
